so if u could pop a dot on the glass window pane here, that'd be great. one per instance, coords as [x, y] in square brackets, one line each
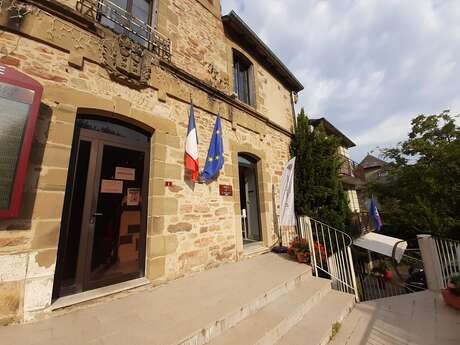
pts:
[114, 17]
[14, 116]
[113, 128]
[243, 159]
[117, 234]
[141, 9]
[244, 82]
[241, 75]
[69, 266]
[235, 76]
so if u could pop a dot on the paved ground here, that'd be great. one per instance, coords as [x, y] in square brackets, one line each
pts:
[420, 318]
[163, 315]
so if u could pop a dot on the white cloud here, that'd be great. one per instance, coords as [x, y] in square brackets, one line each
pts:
[367, 65]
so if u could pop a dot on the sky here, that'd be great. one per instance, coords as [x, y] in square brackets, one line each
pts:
[368, 66]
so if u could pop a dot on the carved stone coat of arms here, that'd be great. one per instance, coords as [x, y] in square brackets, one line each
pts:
[127, 61]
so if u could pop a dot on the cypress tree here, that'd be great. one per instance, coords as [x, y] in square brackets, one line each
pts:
[318, 190]
[302, 149]
[330, 201]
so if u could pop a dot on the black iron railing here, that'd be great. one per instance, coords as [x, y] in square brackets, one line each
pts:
[380, 276]
[348, 166]
[124, 22]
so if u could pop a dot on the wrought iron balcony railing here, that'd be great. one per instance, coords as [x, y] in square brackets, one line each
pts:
[348, 166]
[121, 21]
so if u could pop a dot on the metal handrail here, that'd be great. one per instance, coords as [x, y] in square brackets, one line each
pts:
[348, 165]
[448, 252]
[331, 256]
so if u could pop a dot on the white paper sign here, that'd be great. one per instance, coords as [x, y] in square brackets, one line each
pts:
[133, 196]
[112, 186]
[127, 174]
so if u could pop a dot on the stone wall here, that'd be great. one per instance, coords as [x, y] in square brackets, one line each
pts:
[198, 42]
[272, 98]
[190, 228]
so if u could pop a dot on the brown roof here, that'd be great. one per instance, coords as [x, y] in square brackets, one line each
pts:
[371, 161]
[251, 40]
[331, 129]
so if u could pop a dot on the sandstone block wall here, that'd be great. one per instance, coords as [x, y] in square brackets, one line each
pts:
[190, 228]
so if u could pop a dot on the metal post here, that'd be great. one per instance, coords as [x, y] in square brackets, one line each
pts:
[309, 233]
[353, 277]
[431, 262]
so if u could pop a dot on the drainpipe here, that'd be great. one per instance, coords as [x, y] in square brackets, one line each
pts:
[294, 99]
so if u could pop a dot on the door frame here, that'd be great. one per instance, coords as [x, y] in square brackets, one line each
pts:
[98, 140]
[254, 166]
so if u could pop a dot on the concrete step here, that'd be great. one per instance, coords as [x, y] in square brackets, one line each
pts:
[249, 306]
[190, 310]
[317, 325]
[270, 323]
[420, 318]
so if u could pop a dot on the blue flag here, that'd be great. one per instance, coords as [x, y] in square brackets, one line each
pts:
[215, 159]
[374, 213]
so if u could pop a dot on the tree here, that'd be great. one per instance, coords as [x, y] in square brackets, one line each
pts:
[318, 189]
[302, 149]
[422, 191]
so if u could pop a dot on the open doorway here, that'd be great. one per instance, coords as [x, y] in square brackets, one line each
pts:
[249, 200]
[103, 232]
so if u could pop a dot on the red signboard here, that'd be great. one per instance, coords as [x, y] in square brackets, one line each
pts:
[225, 190]
[20, 97]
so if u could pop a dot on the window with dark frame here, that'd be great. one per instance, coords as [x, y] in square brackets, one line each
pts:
[242, 78]
[144, 11]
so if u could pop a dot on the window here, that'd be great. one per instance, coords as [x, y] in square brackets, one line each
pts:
[130, 17]
[243, 79]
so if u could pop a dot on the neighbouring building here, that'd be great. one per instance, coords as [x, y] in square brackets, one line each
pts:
[105, 199]
[371, 169]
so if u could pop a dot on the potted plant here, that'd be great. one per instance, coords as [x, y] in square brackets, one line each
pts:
[382, 272]
[451, 295]
[303, 255]
[300, 250]
[293, 247]
[320, 251]
[388, 274]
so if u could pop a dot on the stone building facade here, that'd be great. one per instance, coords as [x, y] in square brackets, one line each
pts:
[90, 72]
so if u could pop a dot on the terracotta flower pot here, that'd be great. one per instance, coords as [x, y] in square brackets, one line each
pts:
[302, 257]
[451, 299]
[388, 275]
[453, 289]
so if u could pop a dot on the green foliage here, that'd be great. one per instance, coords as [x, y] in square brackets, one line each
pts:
[381, 268]
[422, 191]
[318, 189]
[456, 281]
[335, 329]
[302, 149]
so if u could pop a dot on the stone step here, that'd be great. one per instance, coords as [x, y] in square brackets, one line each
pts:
[317, 326]
[250, 307]
[190, 310]
[270, 323]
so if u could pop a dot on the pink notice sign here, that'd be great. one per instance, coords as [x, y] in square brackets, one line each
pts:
[112, 186]
[127, 174]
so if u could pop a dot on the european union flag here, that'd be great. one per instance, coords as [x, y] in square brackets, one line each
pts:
[215, 159]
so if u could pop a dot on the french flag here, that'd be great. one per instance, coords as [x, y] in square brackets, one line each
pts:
[191, 147]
